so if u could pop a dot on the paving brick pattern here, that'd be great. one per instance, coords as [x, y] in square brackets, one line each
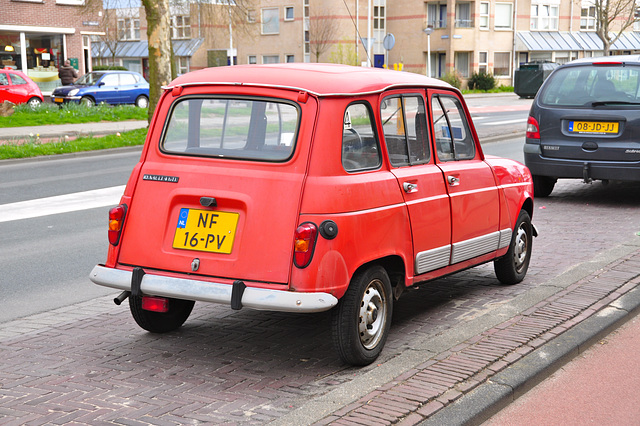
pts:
[90, 364]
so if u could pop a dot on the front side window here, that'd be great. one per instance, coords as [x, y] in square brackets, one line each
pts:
[270, 21]
[16, 79]
[359, 143]
[452, 134]
[110, 80]
[246, 129]
[405, 129]
[504, 16]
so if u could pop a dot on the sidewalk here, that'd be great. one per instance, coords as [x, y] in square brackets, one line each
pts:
[71, 130]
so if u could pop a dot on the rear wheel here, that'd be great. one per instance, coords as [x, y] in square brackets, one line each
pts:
[512, 267]
[34, 102]
[543, 185]
[87, 101]
[142, 101]
[161, 322]
[361, 321]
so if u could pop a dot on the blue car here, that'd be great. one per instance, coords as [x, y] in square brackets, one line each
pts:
[111, 87]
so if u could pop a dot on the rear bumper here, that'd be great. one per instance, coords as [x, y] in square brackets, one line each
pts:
[205, 291]
[564, 168]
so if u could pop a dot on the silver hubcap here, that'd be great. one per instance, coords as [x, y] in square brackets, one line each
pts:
[521, 248]
[372, 315]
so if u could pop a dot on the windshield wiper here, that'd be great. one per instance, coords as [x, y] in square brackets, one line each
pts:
[601, 103]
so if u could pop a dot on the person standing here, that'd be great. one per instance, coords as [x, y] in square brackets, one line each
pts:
[67, 73]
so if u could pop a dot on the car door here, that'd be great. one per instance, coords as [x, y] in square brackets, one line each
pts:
[109, 89]
[18, 89]
[127, 89]
[4, 87]
[469, 180]
[406, 134]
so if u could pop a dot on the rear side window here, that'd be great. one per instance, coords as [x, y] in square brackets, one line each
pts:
[246, 129]
[405, 129]
[127, 79]
[359, 144]
[581, 86]
[16, 79]
[4, 81]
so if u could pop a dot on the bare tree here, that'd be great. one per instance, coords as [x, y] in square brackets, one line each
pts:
[322, 32]
[160, 51]
[608, 11]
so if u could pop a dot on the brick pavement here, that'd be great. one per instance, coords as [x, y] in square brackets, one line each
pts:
[90, 364]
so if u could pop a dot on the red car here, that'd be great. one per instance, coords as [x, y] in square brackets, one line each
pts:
[306, 188]
[16, 87]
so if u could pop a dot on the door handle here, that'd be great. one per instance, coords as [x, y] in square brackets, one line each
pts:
[410, 187]
[453, 181]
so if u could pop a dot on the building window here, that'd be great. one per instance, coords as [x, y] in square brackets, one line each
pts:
[437, 15]
[484, 16]
[288, 13]
[251, 16]
[270, 59]
[588, 18]
[180, 27]
[501, 64]
[252, 59]
[182, 63]
[504, 16]
[482, 62]
[270, 21]
[461, 63]
[290, 58]
[378, 17]
[463, 15]
[544, 17]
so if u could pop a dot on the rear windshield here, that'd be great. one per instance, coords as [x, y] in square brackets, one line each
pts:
[246, 129]
[584, 85]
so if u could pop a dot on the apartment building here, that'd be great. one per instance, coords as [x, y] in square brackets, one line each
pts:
[36, 36]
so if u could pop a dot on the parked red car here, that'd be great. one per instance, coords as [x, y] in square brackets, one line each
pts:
[17, 87]
[306, 188]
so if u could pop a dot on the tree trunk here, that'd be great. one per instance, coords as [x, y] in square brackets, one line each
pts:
[160, 51]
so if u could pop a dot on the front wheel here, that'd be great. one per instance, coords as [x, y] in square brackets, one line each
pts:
[361, 321]
[513, 266]
[87, 101]
[161, 322]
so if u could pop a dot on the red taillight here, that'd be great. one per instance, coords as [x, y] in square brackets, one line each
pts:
[155, 304]
[533, 129]
[116, 219]
[304, 244]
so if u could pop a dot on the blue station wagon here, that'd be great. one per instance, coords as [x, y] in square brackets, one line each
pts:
[111, 87]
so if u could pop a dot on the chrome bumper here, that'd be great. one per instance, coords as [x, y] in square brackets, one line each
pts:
[205, 291]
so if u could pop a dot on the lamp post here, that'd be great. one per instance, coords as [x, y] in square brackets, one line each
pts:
[428, 32]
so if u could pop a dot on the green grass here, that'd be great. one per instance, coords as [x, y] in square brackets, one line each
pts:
[34, 147]
[48, 113]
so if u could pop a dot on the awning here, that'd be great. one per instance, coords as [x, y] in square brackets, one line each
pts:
[582, 40]
[140, 49]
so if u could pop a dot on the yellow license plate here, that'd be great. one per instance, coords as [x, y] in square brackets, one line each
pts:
[596, 127]
[59, 100]
[205, 230]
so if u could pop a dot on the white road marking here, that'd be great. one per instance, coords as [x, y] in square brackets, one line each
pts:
[61, 204]
[499, 123]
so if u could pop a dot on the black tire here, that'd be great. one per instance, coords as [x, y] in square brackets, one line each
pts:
[543, 185]
[161, 322]
[361, 321]
[87, 101]
[142, 101]
[513, 266]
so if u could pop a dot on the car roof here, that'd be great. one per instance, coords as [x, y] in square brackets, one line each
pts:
[319, 79]
[627, 59]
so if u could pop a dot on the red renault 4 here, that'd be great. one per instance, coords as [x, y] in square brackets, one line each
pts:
[306, 188]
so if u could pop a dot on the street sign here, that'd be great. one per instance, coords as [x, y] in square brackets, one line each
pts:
[389, 41]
